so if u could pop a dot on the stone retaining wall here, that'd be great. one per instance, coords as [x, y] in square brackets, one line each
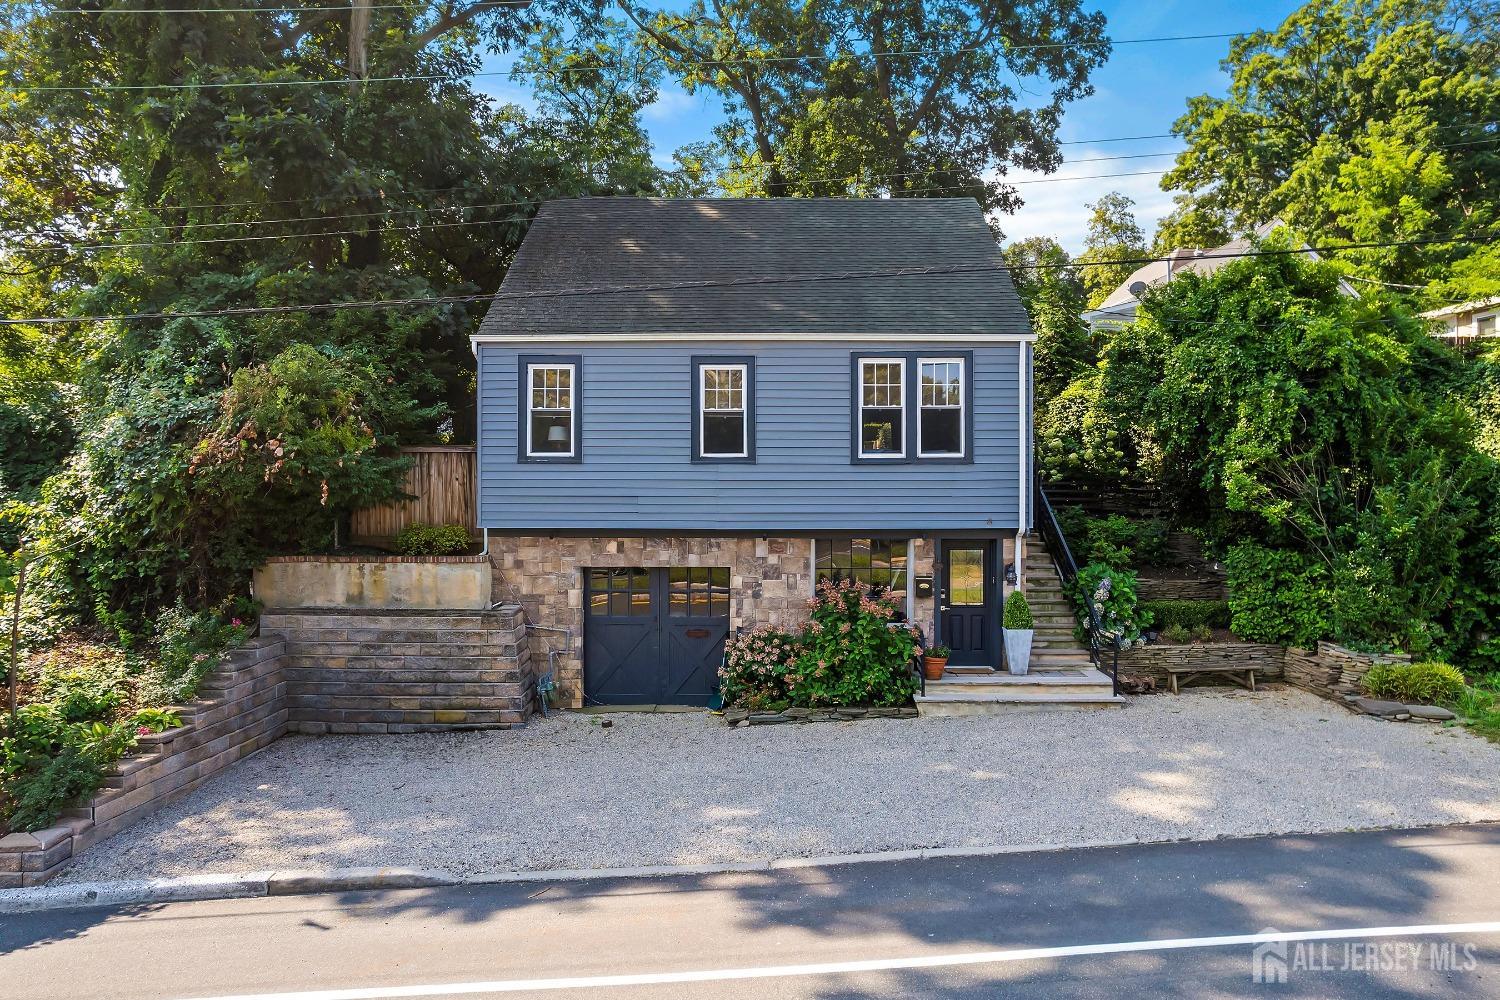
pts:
[351, 671]
[1153, 660]
[1207, 587]
[1332, 671]
[241, 708]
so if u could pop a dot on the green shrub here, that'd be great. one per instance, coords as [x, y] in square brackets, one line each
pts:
[190, 645]
[849, 653]
[47, 763]
[1122, 542]
[1017, 612]
[155, 720]
[1188, 614]
[1121, 617]
[1278, 595]
[1428, 682]
[432, 540]
[85, 682]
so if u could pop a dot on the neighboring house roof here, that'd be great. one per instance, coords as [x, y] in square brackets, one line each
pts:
[1120, 306]
[1461, 308]
[590, 242]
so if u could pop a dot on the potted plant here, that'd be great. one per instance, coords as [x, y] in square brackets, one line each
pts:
[934, 661]
[1018, 633]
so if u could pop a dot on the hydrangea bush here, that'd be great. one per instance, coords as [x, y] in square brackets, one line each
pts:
[849, 652]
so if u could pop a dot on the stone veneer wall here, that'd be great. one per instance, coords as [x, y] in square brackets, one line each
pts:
[1332, 671]
[1208, 587]
[770, 582]
[240, 709]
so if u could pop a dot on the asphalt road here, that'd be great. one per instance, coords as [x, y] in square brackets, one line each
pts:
[1174, 920]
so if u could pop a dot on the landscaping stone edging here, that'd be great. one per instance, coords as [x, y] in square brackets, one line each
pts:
[745, 717]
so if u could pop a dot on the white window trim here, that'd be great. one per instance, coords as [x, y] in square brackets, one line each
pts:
[1474, 324]
[572, 369]
[876, 456]
[743, 411]
[963, 405]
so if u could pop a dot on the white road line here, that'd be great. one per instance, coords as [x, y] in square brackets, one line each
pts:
[870, 965]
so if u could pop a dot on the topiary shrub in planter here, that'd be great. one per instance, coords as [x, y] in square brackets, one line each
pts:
[1019, 631]
[432, 540]
[1429, 683]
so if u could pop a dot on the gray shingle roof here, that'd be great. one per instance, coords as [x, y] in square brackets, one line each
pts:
[588, 242]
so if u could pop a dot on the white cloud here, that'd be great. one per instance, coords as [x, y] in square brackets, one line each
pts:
[1057, 208]
[669, 104]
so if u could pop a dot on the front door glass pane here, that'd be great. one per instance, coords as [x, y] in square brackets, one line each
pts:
[966, 576]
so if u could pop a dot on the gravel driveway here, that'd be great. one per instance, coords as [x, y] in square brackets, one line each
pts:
[683, 789]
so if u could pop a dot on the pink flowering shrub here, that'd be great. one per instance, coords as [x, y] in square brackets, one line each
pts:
[847, 653]
[755, 668]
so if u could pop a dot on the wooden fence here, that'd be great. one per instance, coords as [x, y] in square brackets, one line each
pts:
[441, 484]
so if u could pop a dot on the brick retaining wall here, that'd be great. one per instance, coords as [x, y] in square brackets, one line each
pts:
[241, 708]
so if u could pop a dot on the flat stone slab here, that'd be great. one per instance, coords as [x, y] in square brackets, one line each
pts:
[1432, 713]
[1375, 706]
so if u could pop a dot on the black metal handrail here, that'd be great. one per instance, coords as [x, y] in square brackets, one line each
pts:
[1067, 567]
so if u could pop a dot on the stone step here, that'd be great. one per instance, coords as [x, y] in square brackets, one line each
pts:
[950, 705]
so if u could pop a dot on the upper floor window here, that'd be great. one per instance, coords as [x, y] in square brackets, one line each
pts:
[551, 391]
[724, 409]
[882, 407]
[940, 422]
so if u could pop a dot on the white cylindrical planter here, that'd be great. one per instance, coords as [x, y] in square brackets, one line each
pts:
[1018, 649]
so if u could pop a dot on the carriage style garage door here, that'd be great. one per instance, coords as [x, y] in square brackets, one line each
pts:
[654, 636]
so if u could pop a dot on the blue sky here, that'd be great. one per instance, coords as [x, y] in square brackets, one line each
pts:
[1140, 91]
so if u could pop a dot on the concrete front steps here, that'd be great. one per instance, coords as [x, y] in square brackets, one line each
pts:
[1061, 675]
[1043, 688]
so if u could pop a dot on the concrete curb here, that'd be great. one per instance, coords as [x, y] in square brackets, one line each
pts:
[191, 888]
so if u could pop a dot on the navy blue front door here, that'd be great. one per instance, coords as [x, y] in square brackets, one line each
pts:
[654, 636]
[967, 611]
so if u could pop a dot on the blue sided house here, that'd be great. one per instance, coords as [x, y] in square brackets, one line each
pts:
[691, 410]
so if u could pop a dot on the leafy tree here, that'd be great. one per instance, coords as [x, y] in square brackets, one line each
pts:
[1356, 120]
[1293, 416]
[1191, 223]
[905, 98]
[214, 196]
[1113, 235]
[1054, 298]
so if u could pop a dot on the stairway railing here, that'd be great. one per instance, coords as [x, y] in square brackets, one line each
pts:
[1095, 635]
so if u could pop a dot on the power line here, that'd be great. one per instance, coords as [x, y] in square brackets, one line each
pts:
[702, 64]
[856, 275]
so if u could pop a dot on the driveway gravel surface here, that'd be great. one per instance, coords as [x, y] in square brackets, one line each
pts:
[676, 789]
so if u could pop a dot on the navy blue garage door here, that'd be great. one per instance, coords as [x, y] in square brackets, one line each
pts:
[654, 636]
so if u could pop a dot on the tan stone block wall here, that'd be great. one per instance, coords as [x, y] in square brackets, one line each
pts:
[771, 580]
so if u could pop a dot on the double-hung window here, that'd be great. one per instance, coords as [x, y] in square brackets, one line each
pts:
[940, 418]
[550, 394]
[882, 408]
[724, 409]
[911, 408]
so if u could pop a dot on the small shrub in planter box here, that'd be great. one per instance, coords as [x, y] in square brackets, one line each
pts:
[432, 540]
[1429, 683]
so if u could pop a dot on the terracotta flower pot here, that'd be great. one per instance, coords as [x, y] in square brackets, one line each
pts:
[932, 667]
